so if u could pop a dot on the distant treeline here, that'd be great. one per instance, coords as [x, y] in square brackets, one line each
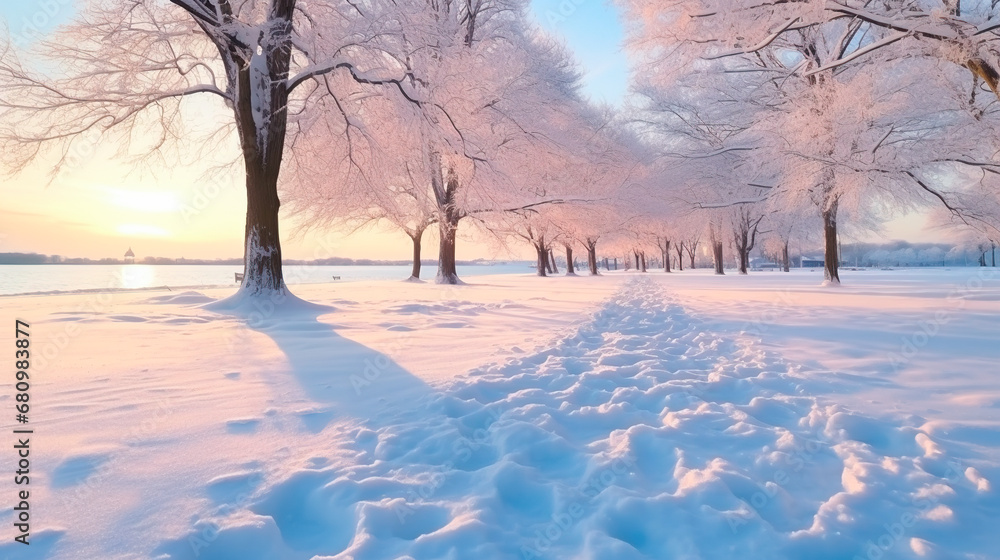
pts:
[902, 253]
[35, 258]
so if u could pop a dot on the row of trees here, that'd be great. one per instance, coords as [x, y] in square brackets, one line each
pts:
[775, 116]
[749, 125]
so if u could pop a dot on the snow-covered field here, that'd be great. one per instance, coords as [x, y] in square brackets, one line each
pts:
[626, 416]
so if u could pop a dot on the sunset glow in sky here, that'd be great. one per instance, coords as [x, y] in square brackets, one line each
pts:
[105, 206]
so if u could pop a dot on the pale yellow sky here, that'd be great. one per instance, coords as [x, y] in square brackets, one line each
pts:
[102, 208]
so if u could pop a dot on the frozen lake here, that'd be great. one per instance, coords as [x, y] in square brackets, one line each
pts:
[22, 279]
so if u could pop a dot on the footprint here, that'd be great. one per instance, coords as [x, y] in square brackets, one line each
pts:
[127, 318]
[233, 488]
[40, 545]
[242, 425]
[316, 420]
[76, 470]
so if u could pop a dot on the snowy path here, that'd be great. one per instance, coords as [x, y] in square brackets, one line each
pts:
[640, 436]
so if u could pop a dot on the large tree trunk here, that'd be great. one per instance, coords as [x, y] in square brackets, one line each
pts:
[745, 239]
[743, 252]
[445, 188]
[717, 256]
[786, 263]
[264, 97]
[715, 240]
[642, 255]
[447, 272]
[570, 268]
[691, 249]
[592, 257]
[831, 264]
[743, 255]
[416, 237]
[262, 249]
[680, 256]
[552, 260]
[664, 245]
[542, 258]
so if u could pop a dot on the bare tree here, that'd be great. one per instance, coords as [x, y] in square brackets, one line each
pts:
[691, 246]
[745, 221]
[663, 243]
[782, 227]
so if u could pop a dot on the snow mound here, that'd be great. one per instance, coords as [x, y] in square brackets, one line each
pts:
[268, 308]
[641, 436]
[456, 307]
[183, 298]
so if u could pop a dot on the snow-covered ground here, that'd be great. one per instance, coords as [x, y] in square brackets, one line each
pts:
[627, 416]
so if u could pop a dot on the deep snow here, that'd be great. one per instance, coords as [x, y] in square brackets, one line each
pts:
[655, 416]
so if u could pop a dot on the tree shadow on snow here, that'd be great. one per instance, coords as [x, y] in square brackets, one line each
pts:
[344, 378]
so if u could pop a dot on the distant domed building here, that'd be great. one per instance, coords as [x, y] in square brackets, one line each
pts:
[129, 256]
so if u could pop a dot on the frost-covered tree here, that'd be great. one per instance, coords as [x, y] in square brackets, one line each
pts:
[839, 134]
[497, 96]
[745, 222]
[810, 50]
[590, 224]
[958, 32]
[709, 154]
[124, 71]
[536, 228]
[615, 180]
[584, 189]
[782, 227]
[651, 222]
[371, 173]
[716, 244]
[867, 160]
[584, 186]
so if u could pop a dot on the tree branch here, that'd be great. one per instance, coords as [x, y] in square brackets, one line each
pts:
[762, 45]
[325, 68]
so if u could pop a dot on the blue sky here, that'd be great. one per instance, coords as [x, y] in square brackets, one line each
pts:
[25, 19]
[591, 28]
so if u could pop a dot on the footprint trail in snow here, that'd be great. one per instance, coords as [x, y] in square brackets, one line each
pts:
[641, 436]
